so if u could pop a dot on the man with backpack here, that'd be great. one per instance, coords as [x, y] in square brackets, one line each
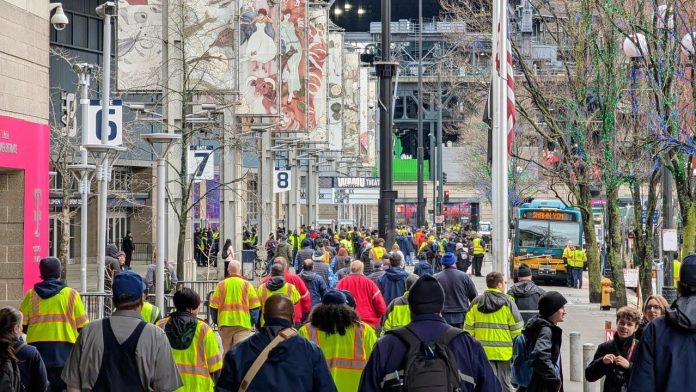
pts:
[428, 354]
[170, 279]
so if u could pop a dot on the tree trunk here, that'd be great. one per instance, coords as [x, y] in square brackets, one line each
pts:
[65, 237]
[181, 245]
[584, 201]
[614, 244]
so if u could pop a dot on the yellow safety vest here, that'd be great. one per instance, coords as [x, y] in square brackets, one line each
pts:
[478, 247]
[379, 252]
[233, 298]
[397, 315]
[287, 290]
[495, 331]
[676, 266]
[575, 258]
[149, 312]
[346, 355]
[54, 319]
[197, 361]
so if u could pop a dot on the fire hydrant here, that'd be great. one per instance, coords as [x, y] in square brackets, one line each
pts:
[607, 290]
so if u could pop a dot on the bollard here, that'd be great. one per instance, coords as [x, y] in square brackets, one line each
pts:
[576, 370]
[588, 351]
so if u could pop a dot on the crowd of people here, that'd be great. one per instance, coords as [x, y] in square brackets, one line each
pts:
[339, 315]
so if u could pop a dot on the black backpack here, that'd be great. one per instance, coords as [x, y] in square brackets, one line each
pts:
[429, 366]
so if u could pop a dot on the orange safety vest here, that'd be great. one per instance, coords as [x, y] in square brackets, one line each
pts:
[54, 319]
[233, 298]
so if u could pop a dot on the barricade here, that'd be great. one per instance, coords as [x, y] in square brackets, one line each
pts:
[97, 305]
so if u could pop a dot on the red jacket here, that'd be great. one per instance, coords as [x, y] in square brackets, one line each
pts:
[368, 299]
[305, 305]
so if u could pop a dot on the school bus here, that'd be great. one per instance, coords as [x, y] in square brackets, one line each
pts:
[542, 230]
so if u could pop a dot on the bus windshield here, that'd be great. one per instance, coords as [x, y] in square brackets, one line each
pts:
[562, 232]
[545, 234]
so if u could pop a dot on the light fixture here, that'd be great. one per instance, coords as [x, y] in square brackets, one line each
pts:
[361, 11]
[337, 11]
[688, 43]
[630, 47]
[347, 6]
[662, 16]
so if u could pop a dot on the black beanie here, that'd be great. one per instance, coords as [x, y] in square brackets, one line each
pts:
[49, 268]
[550, 302]
[426, 296]
[524, 271]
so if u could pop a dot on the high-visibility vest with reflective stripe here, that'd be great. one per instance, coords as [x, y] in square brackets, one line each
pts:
[478, 247]
[287, 290]
[495, 331]
[346, 355]
[54, 319]
[576, 258]
[379, 252]
[196, 362]
[149, 312]
[398, 314]
[233, 298]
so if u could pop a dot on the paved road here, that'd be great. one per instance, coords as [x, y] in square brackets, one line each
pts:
[582, 317]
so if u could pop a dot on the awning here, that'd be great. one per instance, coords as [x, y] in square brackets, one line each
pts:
[125, 203]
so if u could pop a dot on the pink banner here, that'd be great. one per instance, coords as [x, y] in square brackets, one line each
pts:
[25, 146]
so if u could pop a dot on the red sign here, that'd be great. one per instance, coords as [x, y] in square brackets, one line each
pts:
[609, 334]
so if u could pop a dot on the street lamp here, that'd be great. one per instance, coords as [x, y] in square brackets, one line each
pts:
[83, 173]
[164, 140]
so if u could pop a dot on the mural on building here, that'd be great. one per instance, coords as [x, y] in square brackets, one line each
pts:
[209, 49]
[258, 56]
[335, 90]
[364, 110]
[351, 99]
[293, 64]
[368, 147]
[317, 81]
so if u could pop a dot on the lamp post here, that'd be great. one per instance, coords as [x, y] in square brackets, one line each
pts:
[164, 140]
[83, 173]
[420, 212]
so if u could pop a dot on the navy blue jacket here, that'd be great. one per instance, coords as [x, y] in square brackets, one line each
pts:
[31, 367]
[315, 285]
[666, 355]
[393, 283]
[390, 352]
[295, 364]
[405, 244]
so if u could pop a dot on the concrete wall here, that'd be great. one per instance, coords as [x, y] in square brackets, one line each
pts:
[11, 237]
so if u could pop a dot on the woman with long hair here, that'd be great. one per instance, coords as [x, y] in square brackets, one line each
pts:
[10, 325]
[345, 341]
[654, 307]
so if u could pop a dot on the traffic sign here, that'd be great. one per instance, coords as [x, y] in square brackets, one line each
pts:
[94, 123]
[439, 219]
[282, 180]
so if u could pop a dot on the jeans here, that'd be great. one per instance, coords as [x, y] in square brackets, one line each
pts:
[478, 262]
[576, 277]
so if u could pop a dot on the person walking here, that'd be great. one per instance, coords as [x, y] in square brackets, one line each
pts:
[227, 254]
[275, 357]
[576, 259]
[462, 254]
[386, 367]
[128, 246]
[526, 293]
[122, 352]
[459, 291]
[194, 345]
[568, 253]
[493, 320]
[345, 341]
[666, 354]
[369, 302]
[544, 338]
[392, 284]
[398, 314]
[234, 306]
[655, 306]
[276, 286]
[53, 315]
[284, 249]
[302, 307]
[315, 283]
[170, 278]
[612, 360]
[10, 373]
[31, 366]
[303, 254]
[479, 253]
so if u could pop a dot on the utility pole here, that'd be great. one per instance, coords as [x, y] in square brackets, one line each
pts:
[386, 69]
[420, 212]
[440, 185]
[668, 289]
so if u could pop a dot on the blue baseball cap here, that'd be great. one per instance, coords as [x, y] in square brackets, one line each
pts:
[128, 284]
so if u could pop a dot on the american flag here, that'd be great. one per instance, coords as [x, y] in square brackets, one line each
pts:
[511, 108]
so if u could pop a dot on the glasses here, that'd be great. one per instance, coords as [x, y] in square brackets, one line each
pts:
[651, 307]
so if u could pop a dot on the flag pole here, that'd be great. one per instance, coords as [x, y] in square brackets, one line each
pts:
[495, 164]
[503, 147]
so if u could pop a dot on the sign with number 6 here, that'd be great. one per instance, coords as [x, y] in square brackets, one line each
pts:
[282, 181]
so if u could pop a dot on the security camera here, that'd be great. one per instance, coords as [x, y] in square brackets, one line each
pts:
[58, 20]
[106, 9]
[83, 68]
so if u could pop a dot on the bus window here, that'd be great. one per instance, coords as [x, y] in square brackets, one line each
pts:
[532, 233]
[562, 232]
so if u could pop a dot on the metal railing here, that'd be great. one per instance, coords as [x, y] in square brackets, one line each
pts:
[97, 305]
[143, 250]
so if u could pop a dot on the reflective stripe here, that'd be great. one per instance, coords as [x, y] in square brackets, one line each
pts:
[49, 318]
[529, 311]
[491, 325]
[517, 325]
[392, 376]
[193, 370]
[467, 378]
[347, 364]
[495, 344]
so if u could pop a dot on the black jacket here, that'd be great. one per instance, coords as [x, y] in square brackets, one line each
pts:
[127, 244]
[31, 367]
[459, 290]
[545, 338]
[616, 376]
[9, 376]
[526, 295]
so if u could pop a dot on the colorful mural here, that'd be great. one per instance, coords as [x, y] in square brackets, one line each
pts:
[258, 57]
[293, 65]
[364, 112]
[368, 147]
[317, 83]
[351, 99]
[335, 90]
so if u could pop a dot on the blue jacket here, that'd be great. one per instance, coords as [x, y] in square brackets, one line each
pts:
[393, 283]
[666, 356]
[405, 244]
[31, 367]
[390, 352]
[422, 268]
[296, 363]
[315, 284]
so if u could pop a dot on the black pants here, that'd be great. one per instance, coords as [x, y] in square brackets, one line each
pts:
[129, 257]
[478, 263]
[55, 383]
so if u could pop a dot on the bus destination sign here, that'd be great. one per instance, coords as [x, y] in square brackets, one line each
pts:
[549, 215]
